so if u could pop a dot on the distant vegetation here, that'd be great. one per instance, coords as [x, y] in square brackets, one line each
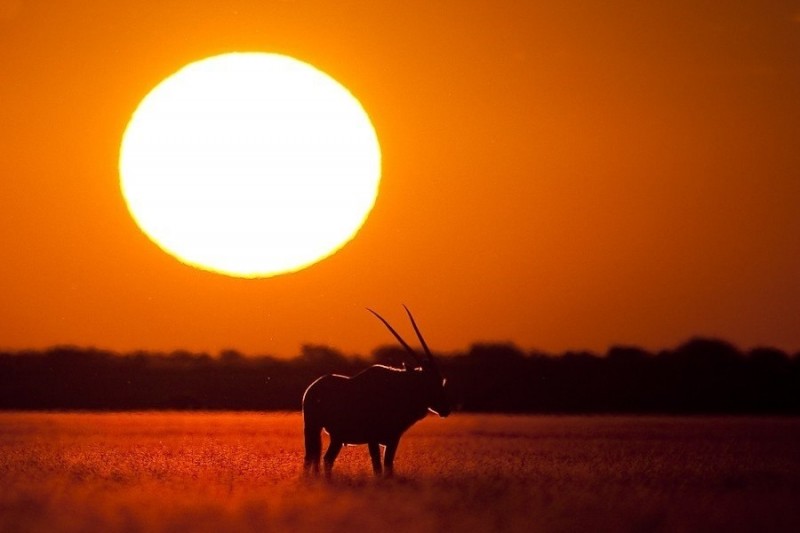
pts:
[700, 376]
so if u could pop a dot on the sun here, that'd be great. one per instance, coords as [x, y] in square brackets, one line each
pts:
[250, 164]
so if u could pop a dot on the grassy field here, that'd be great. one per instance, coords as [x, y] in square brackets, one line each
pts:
[213, 472]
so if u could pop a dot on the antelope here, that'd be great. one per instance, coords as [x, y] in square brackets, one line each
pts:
[374, 407]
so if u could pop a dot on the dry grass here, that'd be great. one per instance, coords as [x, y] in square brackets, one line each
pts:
[242, 472]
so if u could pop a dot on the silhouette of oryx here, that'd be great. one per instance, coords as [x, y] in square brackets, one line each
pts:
[374, 407]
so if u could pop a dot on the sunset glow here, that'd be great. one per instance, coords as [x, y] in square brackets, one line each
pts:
[558, 175]
[250, 164]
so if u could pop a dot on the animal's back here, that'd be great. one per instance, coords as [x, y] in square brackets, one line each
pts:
[373, 405]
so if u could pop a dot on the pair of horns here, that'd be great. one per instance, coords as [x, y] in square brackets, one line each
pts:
[409, 349]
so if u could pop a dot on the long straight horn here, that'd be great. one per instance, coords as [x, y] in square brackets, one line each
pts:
[419, 335]
[397, 336]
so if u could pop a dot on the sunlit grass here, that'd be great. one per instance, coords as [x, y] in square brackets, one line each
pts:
[242, 472]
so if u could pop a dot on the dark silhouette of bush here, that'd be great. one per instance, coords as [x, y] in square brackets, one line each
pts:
[699, 376]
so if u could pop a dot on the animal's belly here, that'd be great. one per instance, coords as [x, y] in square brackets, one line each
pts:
[356, 437]
[360, 426]
[364, 433]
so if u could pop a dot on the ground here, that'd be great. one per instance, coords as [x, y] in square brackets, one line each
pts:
[242, 472]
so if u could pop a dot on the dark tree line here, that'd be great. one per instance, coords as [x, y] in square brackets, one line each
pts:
[700, 376]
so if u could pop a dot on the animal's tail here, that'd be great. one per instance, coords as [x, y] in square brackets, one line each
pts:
[312, 429]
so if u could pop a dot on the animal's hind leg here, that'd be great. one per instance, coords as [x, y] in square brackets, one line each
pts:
[375, 455]
[313, 448]
[330, 455]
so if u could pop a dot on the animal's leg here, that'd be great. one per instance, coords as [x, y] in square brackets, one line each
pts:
[388, 457]
[313, 448]
[330, 455]
[375, 454]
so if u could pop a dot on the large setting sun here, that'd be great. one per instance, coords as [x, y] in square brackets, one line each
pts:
[250, 164]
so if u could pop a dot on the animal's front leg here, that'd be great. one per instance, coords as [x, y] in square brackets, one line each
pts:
[330, 455]
[388, 457]
[375, 455]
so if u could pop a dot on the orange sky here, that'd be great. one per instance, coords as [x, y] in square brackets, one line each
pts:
[558, 174]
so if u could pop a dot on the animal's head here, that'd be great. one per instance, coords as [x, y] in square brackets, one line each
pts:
[433, 388]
